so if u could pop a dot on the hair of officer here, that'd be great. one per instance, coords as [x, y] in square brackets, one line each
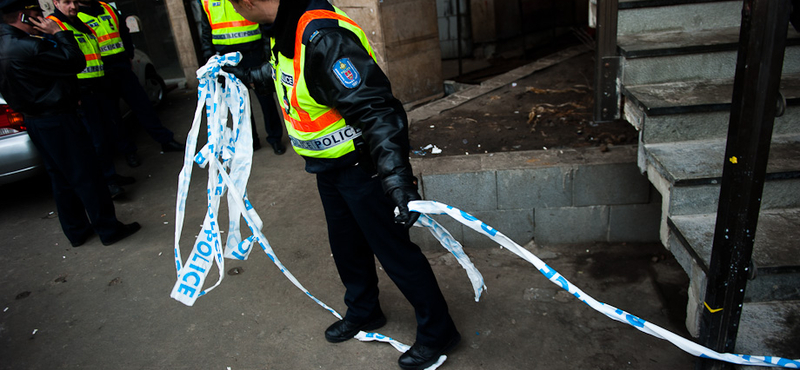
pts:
[10, 17]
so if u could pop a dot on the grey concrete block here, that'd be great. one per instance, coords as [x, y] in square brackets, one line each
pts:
[701, 126]
[516, 224]
[571, 225]
[679, 252]
[690, 200]
[686, 17]
[685, 67]
[634, 222]
[470, 192]
[610, 184]
[534, 188]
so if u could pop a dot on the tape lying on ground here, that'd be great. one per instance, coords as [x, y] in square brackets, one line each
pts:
[230, 149]
[431, 207]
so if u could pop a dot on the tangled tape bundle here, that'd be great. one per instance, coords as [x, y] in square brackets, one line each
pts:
[228, 157]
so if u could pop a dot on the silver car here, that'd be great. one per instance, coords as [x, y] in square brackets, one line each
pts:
[19, 158]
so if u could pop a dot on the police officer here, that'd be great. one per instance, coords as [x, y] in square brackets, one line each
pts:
[96, 109]
[39, 64]
[342, 118]
[116, 50]
[225, 31]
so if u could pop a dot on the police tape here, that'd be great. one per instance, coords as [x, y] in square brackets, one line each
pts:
[227, 148]
[432, 207]
[230, 149]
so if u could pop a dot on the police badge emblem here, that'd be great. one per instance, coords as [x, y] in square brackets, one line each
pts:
[347, 73]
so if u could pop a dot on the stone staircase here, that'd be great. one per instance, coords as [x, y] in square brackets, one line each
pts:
[677, 69]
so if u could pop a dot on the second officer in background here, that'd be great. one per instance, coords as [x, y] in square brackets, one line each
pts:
[225, 31]
[97, 110]
[116, 50]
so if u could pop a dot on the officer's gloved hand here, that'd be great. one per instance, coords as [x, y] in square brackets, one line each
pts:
[401, 196]
[240, 72]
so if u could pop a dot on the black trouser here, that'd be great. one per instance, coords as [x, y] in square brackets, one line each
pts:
[78, 186]
[272, 121]
[124, 84]
[97, 111]
[361, 223]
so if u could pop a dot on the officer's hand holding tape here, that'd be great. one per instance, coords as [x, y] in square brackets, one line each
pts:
[241, 73]
[403, 190]
[254, 78]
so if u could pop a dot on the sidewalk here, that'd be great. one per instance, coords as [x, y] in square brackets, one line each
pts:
[97, 307]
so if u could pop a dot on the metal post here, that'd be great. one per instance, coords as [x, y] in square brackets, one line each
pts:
[458, 36]
[607, 63]
[762, 41]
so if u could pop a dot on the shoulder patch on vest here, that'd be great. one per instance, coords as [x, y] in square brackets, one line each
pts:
[313, 35]
[216, 3]
[347, 73]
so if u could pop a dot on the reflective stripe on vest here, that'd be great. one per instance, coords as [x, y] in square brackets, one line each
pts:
[106, 29]
[91, 51]
[227, 26]
[328, 141]
[315, 130]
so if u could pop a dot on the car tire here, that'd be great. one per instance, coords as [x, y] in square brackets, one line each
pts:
[155, 87]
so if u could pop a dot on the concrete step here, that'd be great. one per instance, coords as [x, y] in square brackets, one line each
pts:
[769, 328]
[654, 44]
[688, 174]
[697, 110]
[777, 273]
[669, 62]
[640, 16]
[777, 276]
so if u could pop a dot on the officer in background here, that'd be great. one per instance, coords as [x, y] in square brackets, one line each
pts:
[352, 132]
[225, 31]
[96, 109]
[39, 64]
[116, 49]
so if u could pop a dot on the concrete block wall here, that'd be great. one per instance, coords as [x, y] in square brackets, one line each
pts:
[554, 197]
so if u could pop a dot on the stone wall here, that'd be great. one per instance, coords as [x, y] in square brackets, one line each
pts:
[555, 196]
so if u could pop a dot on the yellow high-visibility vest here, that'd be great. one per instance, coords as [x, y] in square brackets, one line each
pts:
[106, 28]
[90, 48]
[227, 26]
[315, 130]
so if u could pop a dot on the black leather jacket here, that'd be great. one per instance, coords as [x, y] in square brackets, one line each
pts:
[369, 106]
[38, 75]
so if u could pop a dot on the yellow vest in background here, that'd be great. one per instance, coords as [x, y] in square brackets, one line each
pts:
[106, 29]
[227, 26]
[89, 47]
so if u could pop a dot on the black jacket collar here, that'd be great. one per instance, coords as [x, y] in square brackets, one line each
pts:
[285, 26]
[94, 9]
